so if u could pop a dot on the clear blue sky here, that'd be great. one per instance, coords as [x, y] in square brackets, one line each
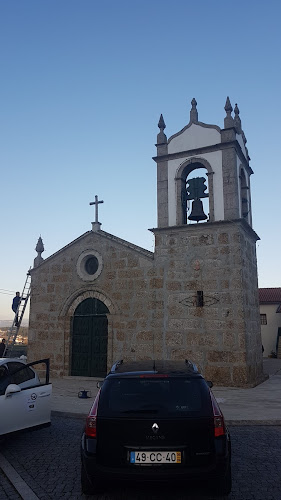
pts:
[82, 86]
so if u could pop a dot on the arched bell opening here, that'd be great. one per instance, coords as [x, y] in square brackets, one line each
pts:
[244, 197]
[195, 192]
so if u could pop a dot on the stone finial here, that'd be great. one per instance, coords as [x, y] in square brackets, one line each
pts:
[228, 121]
[161, 123]
[237, 120]
[193, 111]
[238, 124]
[228, 108]
[40, 246]
[39, 249]
[161, 137]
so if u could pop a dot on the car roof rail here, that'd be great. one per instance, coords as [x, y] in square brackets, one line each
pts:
[192, 366]
[116, 365]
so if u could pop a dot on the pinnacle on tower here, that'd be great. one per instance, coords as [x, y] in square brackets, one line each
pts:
[193, 111]
[161, 123]
[228, 121]
[237, 120]
[161, 137]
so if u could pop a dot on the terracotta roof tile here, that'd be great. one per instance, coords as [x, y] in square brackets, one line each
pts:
[272, 295]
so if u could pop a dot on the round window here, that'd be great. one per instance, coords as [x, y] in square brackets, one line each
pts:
[91, 265]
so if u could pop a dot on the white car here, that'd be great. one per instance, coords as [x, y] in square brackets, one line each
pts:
[25, 401]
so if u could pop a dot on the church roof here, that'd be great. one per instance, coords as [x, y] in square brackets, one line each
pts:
[102, 234]
[269, 295]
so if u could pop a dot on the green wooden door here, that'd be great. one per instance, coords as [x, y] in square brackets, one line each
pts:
[89, 339]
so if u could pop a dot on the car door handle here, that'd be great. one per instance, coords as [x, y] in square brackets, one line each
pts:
[44, 394]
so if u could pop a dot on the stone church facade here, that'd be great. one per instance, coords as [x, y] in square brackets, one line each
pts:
[100, 298]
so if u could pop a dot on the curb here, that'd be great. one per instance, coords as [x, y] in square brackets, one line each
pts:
[57, 413]
[25, 492]
[253, 422]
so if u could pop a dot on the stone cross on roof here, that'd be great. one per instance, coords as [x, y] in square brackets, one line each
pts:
[96, 225]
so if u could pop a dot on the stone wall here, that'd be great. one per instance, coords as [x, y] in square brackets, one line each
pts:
[57, 289]
[152, 300]
[223, 336]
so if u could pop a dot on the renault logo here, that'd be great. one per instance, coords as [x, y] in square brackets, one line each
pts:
[155, 428]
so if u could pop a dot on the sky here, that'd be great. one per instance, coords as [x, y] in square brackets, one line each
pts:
[82, 87]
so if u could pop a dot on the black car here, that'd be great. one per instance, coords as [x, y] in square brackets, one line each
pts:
[155, 421]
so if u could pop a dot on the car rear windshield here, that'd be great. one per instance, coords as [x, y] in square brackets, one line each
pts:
[175, 396]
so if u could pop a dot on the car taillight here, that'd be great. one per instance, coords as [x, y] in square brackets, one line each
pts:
[91, 421]
[219, 425]
[91, 427]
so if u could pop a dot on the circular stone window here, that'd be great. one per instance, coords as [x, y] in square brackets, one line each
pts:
[89, 265]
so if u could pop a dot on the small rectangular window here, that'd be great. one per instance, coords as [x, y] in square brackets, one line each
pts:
[200, 299]
[263, 319]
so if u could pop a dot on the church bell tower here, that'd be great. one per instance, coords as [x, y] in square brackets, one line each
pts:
[221, 153]
[205, 244]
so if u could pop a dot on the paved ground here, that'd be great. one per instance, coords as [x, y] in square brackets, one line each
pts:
[48, 462]
[260, 404]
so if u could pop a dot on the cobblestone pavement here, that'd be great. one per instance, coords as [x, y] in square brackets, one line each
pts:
[6, 488]
[48, 461]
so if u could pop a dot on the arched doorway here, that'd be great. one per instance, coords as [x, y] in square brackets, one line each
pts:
[89, 339]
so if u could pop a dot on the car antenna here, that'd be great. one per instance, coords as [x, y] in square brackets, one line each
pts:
[154, 366]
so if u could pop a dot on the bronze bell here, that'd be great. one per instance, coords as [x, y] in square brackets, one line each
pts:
[197, 212]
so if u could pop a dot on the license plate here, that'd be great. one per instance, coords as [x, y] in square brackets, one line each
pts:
[155, 457]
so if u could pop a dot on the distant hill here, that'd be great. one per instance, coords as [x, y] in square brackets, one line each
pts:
[8, 322]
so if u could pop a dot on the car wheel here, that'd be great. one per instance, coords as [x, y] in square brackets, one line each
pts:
[88, 487]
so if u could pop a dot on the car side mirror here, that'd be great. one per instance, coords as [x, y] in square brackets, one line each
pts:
[99, 384]
[210, 384]
[12, 389]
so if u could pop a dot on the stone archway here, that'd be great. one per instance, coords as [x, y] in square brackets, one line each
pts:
[67, 315]
[89, 334]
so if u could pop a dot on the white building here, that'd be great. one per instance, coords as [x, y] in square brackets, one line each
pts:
[270, 314]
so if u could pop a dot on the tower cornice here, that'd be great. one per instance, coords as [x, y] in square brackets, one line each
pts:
[192, 228]
[207, 149]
